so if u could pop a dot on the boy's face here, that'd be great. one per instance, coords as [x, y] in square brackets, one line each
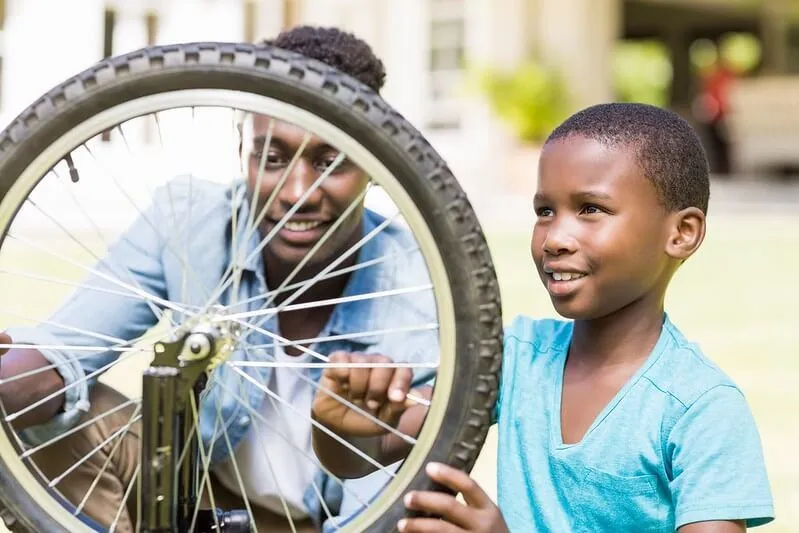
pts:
[322, 207]
[600, 235]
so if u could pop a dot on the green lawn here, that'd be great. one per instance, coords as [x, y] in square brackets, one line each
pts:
[737, 298]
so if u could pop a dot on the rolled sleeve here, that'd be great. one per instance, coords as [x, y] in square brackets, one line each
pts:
[76, 389]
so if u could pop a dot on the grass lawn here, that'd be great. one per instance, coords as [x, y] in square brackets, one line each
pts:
[737, 298]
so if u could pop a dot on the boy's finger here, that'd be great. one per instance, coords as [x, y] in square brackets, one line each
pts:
[439, 504]
[426, 525]
[400, 385]
[459, 481]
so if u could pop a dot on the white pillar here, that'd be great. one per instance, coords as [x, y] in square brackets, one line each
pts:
[578, 36]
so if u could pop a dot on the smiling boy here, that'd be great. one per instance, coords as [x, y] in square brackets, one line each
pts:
[612, 420]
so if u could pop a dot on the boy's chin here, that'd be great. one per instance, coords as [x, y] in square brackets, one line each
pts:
[574, 311]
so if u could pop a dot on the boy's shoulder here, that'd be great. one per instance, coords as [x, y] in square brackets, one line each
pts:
[683, 371]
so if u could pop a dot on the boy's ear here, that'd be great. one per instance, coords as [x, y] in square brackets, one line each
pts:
[687, 231]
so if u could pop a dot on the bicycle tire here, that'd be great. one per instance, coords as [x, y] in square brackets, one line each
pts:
[361, 113]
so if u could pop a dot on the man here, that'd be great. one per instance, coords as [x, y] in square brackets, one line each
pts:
[238, 418]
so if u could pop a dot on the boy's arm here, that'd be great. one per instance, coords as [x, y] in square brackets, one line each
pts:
[380, 392]
[478, 515]
[723, 526]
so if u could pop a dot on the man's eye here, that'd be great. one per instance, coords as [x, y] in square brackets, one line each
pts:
[326, 162]
[544, 212]
[592, 209]
[272, 159]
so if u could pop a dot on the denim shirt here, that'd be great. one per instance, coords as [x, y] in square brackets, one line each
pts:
[153, 261]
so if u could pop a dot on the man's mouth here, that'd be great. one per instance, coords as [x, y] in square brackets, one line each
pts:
[302, 225]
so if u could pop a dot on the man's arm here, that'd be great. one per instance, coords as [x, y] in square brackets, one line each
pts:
[98, 315]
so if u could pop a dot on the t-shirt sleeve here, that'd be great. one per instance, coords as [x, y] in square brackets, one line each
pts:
[717, 466]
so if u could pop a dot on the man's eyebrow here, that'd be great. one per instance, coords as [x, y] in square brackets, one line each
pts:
[277, 142]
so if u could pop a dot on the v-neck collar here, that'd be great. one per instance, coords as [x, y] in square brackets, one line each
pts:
[556, 402]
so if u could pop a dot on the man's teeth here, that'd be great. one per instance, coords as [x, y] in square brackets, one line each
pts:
[566, 276]
[302, 226]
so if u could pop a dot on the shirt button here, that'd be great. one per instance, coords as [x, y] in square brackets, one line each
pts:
[244, 420]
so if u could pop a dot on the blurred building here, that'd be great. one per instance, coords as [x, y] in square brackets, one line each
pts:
[423, 42]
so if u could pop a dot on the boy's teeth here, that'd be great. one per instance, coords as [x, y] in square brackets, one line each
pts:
[301, 226]
[566, 276]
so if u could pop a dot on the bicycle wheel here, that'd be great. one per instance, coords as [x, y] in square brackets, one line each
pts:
[67, 233]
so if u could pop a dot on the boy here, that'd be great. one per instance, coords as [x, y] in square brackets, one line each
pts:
[611, 421]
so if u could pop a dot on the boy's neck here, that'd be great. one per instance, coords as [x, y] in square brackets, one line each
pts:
[625, 336]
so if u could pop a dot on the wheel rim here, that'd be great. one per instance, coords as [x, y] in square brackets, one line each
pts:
[280, 110]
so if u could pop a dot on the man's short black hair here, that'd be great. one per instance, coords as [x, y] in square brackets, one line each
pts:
[667, 147]
[339, 49]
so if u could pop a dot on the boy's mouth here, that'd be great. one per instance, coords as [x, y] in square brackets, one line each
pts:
[565, 276]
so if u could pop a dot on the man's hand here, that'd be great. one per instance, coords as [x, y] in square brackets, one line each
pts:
[381, 392]
[479, 515]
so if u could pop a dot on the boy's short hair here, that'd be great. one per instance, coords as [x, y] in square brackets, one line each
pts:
[339, 49]
[667, 147]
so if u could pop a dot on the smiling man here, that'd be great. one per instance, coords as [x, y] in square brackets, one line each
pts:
[239, 420]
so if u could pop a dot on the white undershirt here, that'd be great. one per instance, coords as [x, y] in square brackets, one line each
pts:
[285, 470]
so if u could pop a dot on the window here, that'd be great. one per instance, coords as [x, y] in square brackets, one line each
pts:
[447, 50]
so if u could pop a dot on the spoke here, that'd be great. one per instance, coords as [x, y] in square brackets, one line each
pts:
[147, 296]
[57, 281]
[75, 383]
[319, 426]
[77, 348]
[332, 274]
[328, 302]
[239, 480]
[168, 183]
[86, 332]
[62, 183]
[340, 259]
[350, 336]
[317, 355]
[255, 414]
[205, 459]
[88, 423]
[275, 364]
[143, 215]
[78, 358]
[225, 283]
[330, 231]
[125, 498]
[118, 433]
[107, 462]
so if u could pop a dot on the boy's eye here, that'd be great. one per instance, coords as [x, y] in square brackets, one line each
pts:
[544, 212]
[324, 162]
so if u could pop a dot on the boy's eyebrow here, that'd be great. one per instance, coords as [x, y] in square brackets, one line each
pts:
[277, 142]
[580, 195]
[592, 195]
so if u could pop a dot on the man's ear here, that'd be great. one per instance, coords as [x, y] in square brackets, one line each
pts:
[686, 233]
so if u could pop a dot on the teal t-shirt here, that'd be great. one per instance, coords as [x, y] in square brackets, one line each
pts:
[677, 444]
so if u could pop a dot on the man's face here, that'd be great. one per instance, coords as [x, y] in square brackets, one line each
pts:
[600, 235]
[320, 209]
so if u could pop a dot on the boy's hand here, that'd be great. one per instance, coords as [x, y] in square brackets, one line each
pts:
[380, 392]
[479, 515]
